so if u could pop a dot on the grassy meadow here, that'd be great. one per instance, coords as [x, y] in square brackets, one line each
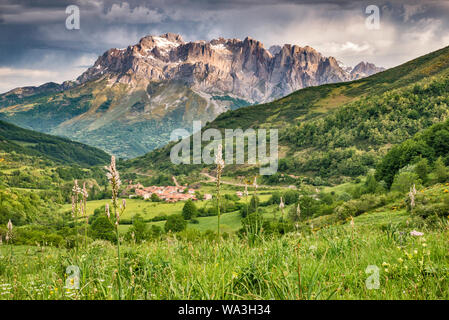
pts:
[327, 264]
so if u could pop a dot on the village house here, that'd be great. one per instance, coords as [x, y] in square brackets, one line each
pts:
[166, 193]
[207, 196]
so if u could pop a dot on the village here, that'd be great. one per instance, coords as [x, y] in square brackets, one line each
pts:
[164, 193]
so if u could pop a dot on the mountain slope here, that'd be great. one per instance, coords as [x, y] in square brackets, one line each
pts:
[339, 130]
[131, 99]
[60, 150]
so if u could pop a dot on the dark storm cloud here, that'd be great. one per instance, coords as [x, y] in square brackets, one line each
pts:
[35, 46]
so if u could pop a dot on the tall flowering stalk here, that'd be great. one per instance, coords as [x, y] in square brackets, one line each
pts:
[85, 195]
[9, 236]
[115, 182]
[411, 195]
[79, 208]
[246, 198]
[220, 166]
[298, 210]
[76, 207]
[256, 204]
[281, 207]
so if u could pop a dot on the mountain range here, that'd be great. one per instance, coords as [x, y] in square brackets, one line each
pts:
[131, 99]
[331, 132]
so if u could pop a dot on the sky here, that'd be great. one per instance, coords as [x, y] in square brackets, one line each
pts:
[36, 47]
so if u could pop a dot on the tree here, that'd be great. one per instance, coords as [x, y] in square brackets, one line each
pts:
[290, 196]
[422, 169]
[440, 170]
[404, 181]
[371, 184]
[253, 204]
[189, 210]
[175, 223]
[308, 206]
[102, 228]
[139, 229]
[155, 198]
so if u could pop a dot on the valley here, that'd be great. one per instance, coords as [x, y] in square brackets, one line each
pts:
[363, 185]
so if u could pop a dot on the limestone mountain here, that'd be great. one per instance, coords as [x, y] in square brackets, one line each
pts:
[130, 100]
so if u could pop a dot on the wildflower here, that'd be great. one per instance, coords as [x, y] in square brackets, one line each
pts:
[400, 260]
[107, 211]
[415, 233]
[73, 206]
[9, 231]
[220, 166]
[76, 189]
[219, 158]
[415, 251]
[114, 179]
[255, 183]
[298, 210]
[246, 190]
[384, 264]
[281, 205]
[84, 192]
[352, 222]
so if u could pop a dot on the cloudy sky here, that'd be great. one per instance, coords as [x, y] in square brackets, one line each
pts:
[36, 46]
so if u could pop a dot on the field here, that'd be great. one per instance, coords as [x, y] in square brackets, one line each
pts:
[331, 263]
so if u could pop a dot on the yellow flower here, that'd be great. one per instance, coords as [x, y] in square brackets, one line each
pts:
[400, 260]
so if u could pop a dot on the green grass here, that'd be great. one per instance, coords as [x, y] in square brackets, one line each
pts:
[332, 266]
[145, 208]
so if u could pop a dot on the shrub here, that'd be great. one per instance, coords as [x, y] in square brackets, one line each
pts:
[175, 223]
[404, 180]
[139, 229]
[103, 229]
[189, 210]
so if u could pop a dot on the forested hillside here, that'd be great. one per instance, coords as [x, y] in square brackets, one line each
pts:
[60, 150]
[335, 131]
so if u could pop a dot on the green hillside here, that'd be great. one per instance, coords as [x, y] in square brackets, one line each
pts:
[60, 150]
[331, 132]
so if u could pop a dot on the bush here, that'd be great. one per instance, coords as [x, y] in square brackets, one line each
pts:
[139, 229]
[189, 210]
[440, 171]
[155, 198]
[103, 229]
[175, 223]
[404, 181]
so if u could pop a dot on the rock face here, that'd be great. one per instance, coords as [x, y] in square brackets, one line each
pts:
[364, 69]
[131, 99]
[222, 66]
